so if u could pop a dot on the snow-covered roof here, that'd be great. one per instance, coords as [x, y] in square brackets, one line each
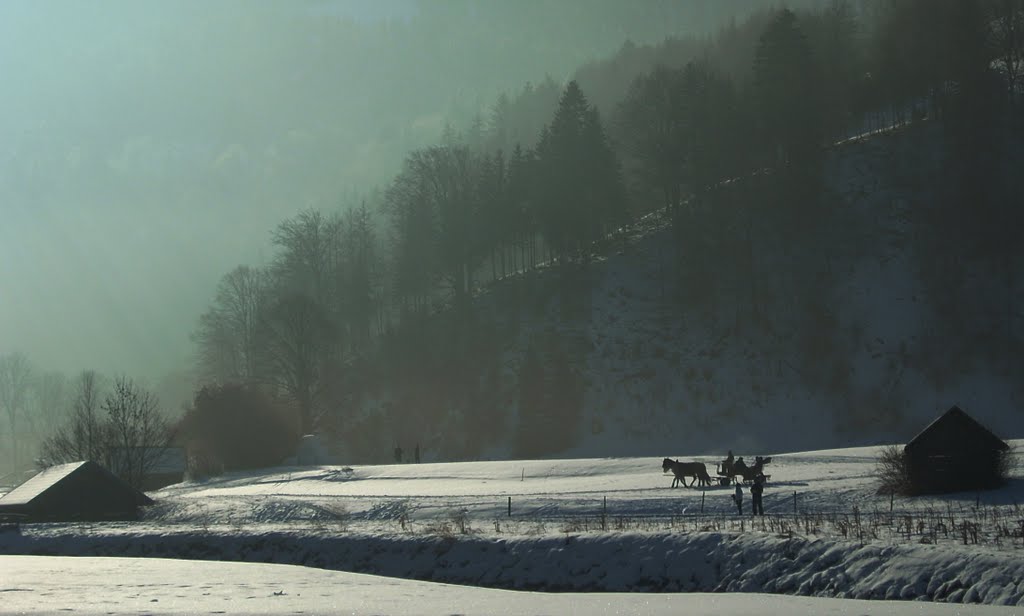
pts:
[955, 423]
[77, 486]
[41, 482]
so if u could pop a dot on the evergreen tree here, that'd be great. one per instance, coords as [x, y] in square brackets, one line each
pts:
[786, 86]
[652, 123]
[523, 221]
[580, 184]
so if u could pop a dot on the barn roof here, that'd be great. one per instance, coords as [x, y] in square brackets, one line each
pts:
[956, 421]
[39, 483]
[55, 476]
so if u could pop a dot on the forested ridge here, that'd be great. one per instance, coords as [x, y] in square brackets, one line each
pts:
[464, 306]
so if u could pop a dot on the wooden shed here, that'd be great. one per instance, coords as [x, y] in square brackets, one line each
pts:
[74, 492]
[954, 453]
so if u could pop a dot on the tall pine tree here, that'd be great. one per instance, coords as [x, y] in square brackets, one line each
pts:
[580, 187]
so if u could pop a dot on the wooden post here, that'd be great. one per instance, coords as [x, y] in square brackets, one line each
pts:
[892, 497]
[510, 506]
[794, 503]
[702, 493]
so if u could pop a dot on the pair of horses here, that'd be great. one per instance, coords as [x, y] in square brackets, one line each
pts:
[682, 470]
[739, 467]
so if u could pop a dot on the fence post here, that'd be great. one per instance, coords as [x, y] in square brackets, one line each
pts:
[794, 503]
[892, 497]
[702, 493]
[510, 506]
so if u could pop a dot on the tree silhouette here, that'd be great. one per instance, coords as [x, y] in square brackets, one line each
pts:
[580, 185]
[788, 98]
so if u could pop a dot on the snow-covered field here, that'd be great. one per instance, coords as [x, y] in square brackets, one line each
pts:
[39, 585]
[576, 526]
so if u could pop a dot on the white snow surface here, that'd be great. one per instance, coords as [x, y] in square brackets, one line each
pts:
[611, 526]
[51, 585]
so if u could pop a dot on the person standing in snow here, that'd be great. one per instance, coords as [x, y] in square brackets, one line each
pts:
[737, 498]
[757, 508]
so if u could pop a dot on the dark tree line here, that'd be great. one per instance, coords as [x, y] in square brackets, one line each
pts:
[366, 320]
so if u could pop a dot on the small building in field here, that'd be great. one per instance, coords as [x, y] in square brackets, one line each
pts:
[78, 491]
[312, 451]
[955, 453]
[168, 469]
[159, 466]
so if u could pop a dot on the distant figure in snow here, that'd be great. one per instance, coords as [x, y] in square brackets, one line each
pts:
[755, 495]
[398, 454]
[737, 498]
[417, 454]
[726, 466]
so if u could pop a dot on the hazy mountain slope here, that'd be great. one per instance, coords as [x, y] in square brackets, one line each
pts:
[664, 378]
[146, 148]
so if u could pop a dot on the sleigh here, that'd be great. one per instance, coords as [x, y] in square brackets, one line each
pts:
[738, 471]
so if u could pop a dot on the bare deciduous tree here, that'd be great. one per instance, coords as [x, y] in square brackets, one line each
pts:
[139, 433]
[85, 436]
[297, 352]
[15, 381]
[310, 251]
[226, 336]
[50, 397]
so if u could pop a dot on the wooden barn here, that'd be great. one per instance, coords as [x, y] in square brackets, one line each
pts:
[954, 453]
[79, 491]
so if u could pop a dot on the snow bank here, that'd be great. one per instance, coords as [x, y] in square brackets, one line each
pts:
[135, 586]
[596, 562]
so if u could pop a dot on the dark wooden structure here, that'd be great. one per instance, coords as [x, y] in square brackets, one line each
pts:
[79, 491]
[954, 453]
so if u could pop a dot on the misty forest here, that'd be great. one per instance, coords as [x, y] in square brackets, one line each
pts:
[480, 230]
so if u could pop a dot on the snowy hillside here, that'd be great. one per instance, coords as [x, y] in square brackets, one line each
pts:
[584, 525]
[658, 378]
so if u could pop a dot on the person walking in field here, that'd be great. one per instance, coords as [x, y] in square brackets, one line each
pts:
[756, 490]
[737, 498]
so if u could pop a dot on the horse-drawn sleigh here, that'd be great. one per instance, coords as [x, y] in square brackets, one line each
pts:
[730, 471]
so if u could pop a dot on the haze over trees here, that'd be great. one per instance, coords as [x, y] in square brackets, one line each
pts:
[180, 134]
[408, 312]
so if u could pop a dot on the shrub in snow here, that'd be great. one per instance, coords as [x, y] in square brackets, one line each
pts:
[235, 427]
[892, 471]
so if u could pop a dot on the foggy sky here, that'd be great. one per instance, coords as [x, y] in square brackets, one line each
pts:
[147, 147]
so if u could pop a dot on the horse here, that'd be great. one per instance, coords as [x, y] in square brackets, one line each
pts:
[682, 470]
[749, 473]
